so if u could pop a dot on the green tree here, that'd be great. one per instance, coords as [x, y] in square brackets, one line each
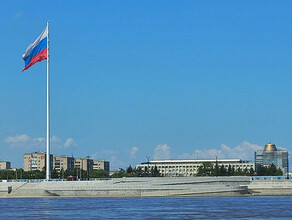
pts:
[139, 172]
[273, 170]
[206, 169]
[269, 171]
[245, 171]
[68, 173]
[99, 174]
[279, 172]
[146, 172]
[229, 171]
[241, 172]
[216, 170]
[55, 174]
[120, 175]
[7, 174]
[129, 169]
[151, 171]
[222, 171]
[156, 172]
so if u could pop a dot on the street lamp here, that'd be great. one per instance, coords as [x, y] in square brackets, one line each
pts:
[216, 166]
[148, 164]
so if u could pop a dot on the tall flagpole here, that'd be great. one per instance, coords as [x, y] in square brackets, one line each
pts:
[48, 111]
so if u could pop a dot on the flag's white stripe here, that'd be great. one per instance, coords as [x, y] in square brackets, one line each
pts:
[43, 35]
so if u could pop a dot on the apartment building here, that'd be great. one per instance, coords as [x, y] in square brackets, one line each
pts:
[63, 163]
[83, 163]
[36, 161]
[5, 165]
[101, 165]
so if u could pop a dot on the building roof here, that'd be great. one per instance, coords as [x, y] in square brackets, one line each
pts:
[270, 147]
[197, 161]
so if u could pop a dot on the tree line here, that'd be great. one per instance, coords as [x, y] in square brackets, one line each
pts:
[138, 172]
[63, 174]
[269, 171]
[208, 169]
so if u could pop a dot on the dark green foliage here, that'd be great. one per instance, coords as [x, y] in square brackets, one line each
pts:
[146, 172]
[229, 171]
[7, 174]
[279, 172]
[155, 172]
[273, 169]
[34, 174]
[20, 174]
[222, 171]
[216, 169]
[129, 169]
[54, 174]
[99, 174]
[207, 169]
[269, 171]
[139, 172]
[133, 172]
[120, 175]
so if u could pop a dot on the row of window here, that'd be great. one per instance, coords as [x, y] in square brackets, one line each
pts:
[197, 166]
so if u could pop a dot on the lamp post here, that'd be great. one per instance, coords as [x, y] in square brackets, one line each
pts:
[216, 166]
[88, 166]
[148, 164]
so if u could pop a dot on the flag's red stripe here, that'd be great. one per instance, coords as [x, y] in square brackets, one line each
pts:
[42, 55]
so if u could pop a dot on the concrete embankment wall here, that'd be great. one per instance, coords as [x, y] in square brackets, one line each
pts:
[270, 188]
[131, 187]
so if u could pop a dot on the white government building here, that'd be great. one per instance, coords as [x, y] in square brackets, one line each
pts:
[190, 167]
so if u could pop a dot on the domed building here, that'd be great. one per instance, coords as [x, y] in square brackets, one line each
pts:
[270, 147]
[272, 155]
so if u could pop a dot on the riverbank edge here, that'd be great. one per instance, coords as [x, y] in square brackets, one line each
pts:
[148, 187]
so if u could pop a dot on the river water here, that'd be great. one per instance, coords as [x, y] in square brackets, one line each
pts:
[148, 208]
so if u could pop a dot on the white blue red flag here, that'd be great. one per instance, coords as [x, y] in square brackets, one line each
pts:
[36, 51]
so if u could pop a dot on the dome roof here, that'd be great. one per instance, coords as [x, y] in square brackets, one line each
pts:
[270, 147]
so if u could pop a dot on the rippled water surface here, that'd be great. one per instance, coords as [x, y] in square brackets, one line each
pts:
[148, 208]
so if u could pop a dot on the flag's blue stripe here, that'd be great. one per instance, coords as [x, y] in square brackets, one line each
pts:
[41, 46]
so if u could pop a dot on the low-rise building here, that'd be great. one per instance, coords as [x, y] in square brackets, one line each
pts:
[63, 163]
[83, 163]
[101, 165]
[36, 161]
[5, 165]
[190, 167]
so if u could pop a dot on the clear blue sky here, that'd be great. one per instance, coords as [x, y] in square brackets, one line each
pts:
[130, 79]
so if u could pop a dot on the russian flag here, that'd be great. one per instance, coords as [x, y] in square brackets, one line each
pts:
[36, 51]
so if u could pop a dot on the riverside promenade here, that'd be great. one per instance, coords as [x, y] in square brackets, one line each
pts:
[130, 187]
[149, 187]
[281, 187]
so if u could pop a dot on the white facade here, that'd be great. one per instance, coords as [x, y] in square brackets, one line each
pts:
[190, 167]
